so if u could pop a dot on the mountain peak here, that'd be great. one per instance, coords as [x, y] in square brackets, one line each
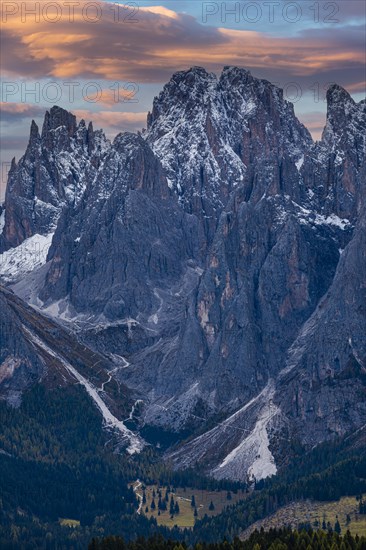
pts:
[196, 71]
[13, 164]
[345, 117]
[34, 131]
[338, 95]
[128, 140]
[191, 80]
[34, 137]
[57, 117]
[217, 253]
[186, 91]
[233, 71]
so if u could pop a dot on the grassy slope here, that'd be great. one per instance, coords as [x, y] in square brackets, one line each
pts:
[186, 518]
[314, 512]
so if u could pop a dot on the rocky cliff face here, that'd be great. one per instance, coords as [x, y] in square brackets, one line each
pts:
[126, 237]
[214, 135]
[220, 255]
[317, 393]
[323, 387]
[53, 172]
[334, 167]
[301, 283]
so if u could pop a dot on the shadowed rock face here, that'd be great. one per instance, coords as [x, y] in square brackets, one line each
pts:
[20, 365]
[323, 390]
[222, 252]
[127, 236]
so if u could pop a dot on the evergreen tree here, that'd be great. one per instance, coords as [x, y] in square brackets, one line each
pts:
[172, 507]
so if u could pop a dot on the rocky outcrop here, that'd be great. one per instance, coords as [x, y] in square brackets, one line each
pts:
[36, 349]
[53, 172]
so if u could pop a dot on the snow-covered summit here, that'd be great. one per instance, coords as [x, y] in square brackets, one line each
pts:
[210, 133]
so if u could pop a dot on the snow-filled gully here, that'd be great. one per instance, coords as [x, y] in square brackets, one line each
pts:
[136, 443]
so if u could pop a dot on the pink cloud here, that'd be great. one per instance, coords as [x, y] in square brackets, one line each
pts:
[314, 122]
[160, 42]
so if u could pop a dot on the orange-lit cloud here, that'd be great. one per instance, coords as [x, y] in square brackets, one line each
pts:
[160, 42]
[14, 107]
[18, 111]
[357, 87]
[117, 95]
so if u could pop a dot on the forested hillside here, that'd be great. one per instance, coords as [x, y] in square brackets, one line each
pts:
[54, 467]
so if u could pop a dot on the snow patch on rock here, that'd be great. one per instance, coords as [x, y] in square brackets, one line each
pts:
[299, 163]
[15, 263]
[2, 221]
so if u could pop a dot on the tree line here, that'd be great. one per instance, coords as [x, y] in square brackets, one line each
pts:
[274, 539]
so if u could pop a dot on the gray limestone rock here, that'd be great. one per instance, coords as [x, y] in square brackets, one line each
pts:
[220, 254]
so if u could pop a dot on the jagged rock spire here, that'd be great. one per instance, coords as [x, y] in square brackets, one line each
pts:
[57, 117]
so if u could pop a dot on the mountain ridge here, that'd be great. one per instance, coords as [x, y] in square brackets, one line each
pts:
[209, 250]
